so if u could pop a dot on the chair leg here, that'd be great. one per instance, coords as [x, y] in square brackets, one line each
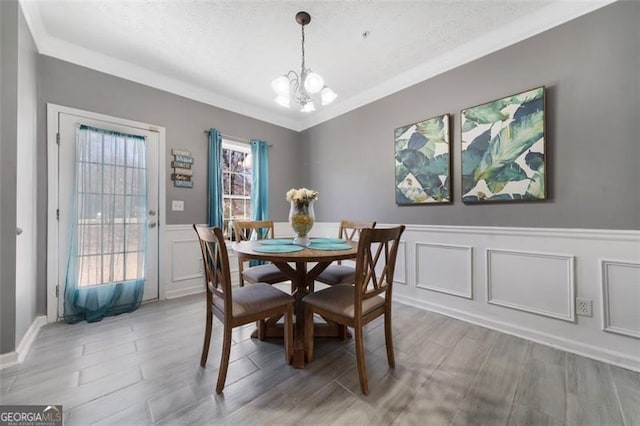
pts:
[362, 368]
[207, 338]
[288, 334]
[224, 359]
[388, 339]
[342, 331]
[308, 333]
[262, 329]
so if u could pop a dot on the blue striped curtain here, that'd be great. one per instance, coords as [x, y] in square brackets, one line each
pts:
[259, 184]
[215, 179]
[260, 180]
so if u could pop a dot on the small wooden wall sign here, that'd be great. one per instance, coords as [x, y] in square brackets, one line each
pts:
[180, 165]
[182, 168]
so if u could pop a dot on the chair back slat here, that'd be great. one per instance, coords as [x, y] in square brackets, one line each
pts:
[246, 229]
[375, 262]
[350, 229]
[216, 264]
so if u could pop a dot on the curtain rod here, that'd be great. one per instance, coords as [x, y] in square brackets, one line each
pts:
[234, 138]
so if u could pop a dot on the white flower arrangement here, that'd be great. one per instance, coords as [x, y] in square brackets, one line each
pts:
[302, 195]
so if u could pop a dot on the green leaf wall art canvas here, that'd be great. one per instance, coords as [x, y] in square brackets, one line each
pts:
[423, 162]
[503, 149]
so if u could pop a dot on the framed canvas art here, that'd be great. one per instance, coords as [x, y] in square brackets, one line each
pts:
[503, 149]
[423, 162]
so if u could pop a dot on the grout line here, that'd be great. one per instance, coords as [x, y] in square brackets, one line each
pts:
[566, 389]
[617, 396]
[520, 378]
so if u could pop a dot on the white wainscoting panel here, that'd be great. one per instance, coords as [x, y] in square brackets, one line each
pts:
[534, 270]
[186, 260]
[445, 268]
[621, 297]
[182, 271]
[400, 273]
[525, 271]
[539, 283]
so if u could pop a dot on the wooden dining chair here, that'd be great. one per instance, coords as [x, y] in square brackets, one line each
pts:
[237, 306]
[370, 297]
[245, 230]
[338, 273]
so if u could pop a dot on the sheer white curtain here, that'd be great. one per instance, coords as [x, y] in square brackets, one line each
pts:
[106, 267]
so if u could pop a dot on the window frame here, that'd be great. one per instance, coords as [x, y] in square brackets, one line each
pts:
[228, 219]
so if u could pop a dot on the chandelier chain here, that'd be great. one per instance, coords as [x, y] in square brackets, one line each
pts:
[303, 66]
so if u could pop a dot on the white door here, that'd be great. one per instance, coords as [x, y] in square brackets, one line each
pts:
[68, 124]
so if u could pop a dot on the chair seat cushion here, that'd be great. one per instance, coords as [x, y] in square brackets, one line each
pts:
[254, 298]
[264, 273]
[339, 299]
[337, 274]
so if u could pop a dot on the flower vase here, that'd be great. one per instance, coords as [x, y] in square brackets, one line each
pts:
[301, 218]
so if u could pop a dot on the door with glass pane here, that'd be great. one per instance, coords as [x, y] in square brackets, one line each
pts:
[108, 204]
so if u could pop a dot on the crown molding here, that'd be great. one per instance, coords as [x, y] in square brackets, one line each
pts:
[546, 18]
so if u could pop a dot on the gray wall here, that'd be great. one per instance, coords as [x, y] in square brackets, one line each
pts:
[591, 69]
[19, 76]
[8, 152]
[185, 120]
[27, 201]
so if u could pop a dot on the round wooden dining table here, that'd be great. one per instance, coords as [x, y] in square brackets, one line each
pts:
[302, 280]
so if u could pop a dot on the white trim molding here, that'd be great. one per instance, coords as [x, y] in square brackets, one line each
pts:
[567, 260]
[22, 349]
[632, 303]
[466, 266]
[552, 15]
[530, 280]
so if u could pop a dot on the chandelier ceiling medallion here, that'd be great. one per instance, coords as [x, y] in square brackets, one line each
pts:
[301, 87]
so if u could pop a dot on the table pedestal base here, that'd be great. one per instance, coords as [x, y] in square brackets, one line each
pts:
[319, 330]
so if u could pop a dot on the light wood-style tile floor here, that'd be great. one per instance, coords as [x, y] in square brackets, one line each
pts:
[143, 368]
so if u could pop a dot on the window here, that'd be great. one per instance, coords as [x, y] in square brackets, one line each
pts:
[236, 182]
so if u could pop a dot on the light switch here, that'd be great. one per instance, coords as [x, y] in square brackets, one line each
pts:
[177, 205]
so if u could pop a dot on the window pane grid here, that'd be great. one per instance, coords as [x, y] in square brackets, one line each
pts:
[111, 209]
[236, 184]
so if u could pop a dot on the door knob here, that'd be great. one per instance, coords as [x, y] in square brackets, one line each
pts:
[152, 212]
[152, 225]
[18, 231]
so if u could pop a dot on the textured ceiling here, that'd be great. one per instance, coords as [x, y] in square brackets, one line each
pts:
[227, 52]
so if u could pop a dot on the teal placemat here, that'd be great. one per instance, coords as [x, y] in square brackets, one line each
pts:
[329, 246]
[285, 248]
[276, 242]
[327, 240]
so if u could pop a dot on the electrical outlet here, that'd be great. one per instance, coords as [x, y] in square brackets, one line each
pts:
[584, 307]
[177, 205]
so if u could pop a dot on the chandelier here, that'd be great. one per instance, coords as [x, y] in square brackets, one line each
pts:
[301, 87]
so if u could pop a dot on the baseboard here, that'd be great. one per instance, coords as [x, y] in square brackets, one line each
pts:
[572, 346]
[181, 292]
[8, 360]
[21, 352]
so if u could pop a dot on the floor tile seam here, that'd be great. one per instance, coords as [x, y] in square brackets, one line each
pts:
[519, 381]
[616, 394]
[150, 395]
[482, 364]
